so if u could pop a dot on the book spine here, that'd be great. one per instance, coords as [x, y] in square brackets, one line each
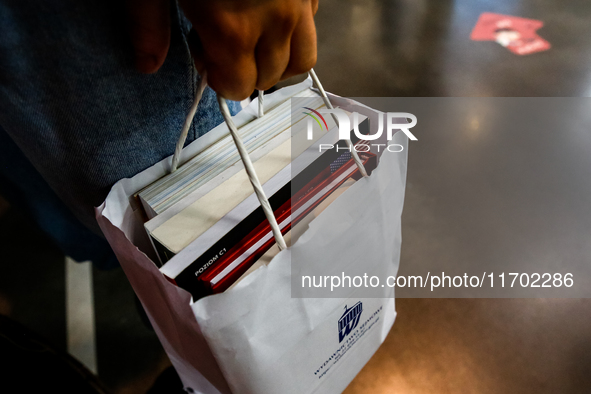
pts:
[188, 276]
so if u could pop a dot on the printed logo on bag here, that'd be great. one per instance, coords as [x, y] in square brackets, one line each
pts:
[349, 320]
[394, 121]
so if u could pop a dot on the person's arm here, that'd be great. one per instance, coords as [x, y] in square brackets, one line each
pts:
[243, 45]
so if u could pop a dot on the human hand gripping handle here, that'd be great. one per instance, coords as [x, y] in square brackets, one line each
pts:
[237, 46]
[242, 45]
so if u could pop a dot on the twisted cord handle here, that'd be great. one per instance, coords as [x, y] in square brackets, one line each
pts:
[329, 105]
[244, 156]
[187, 125]
[252, 176]
[261, 103]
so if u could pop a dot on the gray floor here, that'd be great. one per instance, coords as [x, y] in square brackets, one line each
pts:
[422, 48]
[384, 48]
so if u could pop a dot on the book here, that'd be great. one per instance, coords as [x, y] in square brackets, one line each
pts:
[266, 258]
[176, 228]
[220, 160]
[217, 214]
[251, 237]
[214, 241]
[233, 264]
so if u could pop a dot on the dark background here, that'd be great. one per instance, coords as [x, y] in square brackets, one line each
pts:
[387, 48]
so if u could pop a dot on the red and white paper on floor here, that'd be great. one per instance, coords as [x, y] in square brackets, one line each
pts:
[519, 35]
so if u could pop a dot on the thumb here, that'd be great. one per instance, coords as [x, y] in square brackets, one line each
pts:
[149, 31]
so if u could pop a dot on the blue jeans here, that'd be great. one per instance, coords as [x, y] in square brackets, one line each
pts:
[76, 108]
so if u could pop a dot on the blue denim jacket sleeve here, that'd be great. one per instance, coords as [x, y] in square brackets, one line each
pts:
[73, 103]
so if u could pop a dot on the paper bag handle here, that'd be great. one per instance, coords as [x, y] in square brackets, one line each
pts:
[189, 120]
[244, 156]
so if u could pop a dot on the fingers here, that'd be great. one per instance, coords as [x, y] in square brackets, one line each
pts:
[303, 47]
[149, 29]
[246, 46]
[278, 58]
[226, 51]
[233, 80]
[314, 7]
[196, 48]
[272, 58]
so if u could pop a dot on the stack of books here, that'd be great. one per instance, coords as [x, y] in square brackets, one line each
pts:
[205, 222]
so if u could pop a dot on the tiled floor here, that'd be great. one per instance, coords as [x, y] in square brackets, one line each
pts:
[378, 48]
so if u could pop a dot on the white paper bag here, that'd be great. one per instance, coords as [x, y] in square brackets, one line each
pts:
[255, 338]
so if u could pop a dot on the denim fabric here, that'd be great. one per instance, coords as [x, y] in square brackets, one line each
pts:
[26, 190]
[73, 103]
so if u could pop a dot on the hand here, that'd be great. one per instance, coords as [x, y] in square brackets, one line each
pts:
[243, 45]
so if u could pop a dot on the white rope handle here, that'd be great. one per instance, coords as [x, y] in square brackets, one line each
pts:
[261, 103]
[244, 156]
[183, 137]
[327, 102]
[252, 175]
